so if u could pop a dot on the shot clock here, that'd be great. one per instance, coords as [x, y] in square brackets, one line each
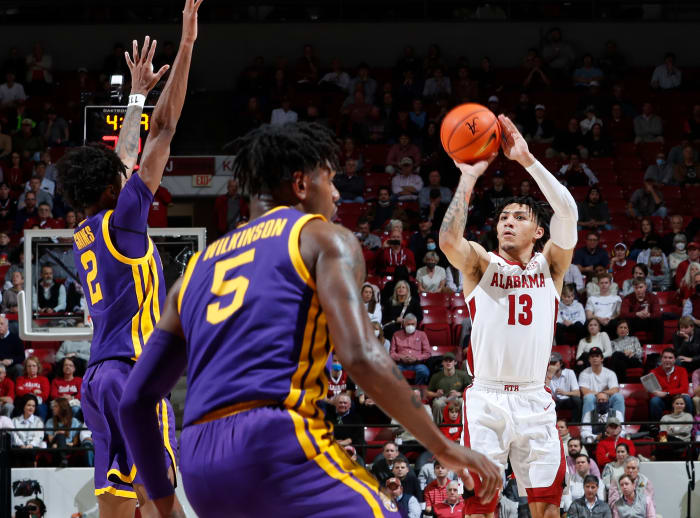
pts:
[103, 123]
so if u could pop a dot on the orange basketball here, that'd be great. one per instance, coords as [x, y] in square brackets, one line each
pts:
[470, 132]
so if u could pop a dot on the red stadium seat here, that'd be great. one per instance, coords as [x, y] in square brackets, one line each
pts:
[667, 297]
[376, 437]
[458, 315]
[670, 328]
[632, 374]
[611, 237]
[438, 333]
[568, 354]
[377, 180]
[648, 349]
[349, 213]
[435, 299]
[439, 350]
[457, 300]
[436, 315]
[617, 206]
[636, 401]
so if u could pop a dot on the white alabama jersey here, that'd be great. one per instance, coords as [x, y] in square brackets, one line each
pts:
[513, 311]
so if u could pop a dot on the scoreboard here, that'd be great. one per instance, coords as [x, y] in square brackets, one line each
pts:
[103, 123]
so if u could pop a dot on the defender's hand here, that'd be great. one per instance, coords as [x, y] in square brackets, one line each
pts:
[141, 67]
[513, 143]
[456, 458]
[189, 20]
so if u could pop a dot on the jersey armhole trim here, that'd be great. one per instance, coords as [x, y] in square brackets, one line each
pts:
[113, 250]
[295, 253]
[186, 279]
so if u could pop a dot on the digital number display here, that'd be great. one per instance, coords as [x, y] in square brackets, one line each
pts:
[102, 124]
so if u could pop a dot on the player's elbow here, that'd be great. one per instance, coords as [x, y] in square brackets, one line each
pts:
[165, 126]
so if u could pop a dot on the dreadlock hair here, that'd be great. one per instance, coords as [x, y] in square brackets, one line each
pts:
[86, 172]
[538, 209]
[267, 156]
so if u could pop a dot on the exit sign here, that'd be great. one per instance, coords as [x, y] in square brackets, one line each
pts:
[201, 180]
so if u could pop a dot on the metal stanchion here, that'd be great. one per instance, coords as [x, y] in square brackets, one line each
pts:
[5, 475]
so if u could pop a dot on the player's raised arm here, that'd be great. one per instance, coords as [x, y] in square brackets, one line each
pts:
[143, 79]
[562, 228]
[339, 273]
[464, 255]
[156, 151]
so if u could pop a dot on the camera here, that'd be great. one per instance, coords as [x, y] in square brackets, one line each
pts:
[393, 242]
[31, 508]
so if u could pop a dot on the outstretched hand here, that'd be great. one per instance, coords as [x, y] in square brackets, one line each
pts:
[513, 143]
[476, 169]
[459, 459]
[141, 67]
[189, 20]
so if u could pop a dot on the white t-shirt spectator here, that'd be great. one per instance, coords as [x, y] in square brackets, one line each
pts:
[566, 381]
[604, 306]
[593, 290]
[279, 116]
[9, 94]
[665, 79]
[431, 284]
[601, 340]
[597, 382]
[573, 313]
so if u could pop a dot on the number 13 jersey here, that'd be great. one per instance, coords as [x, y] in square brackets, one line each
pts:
[253, 323]
[513, 311]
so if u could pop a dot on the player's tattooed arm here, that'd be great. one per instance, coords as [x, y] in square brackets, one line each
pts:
[143, 79]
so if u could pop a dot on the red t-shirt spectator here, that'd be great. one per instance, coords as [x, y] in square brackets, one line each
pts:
[622, 273]
[445, 510]
[434, 493]
[61, 388]
[674, 383]
[605, 451]
[158, 213]
[29, 385]
[340, 385]
[388, 259]
[454, 431]
[7, 388]
[631, 305]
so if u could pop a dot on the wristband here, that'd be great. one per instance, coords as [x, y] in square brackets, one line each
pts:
[137, 100]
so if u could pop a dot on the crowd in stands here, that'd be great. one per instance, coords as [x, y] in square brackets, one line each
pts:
[624, 140]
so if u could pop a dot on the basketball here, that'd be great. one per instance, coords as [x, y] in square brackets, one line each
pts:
[470, 132]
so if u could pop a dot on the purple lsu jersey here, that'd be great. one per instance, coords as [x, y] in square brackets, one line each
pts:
[254, 327]
[124, 295]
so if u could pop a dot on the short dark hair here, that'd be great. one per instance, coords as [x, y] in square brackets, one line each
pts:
[669, 350]
[588, 459]
[590, 479]
[624, 445]
[86, 172]
[538, 209]
[642, 267]
[401, 458]
[269, 155]
[362, 220]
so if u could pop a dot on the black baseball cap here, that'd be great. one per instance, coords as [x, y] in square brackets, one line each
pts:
[595, 351]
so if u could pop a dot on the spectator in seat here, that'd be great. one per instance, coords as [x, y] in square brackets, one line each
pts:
[540, 129]
[643, 311]
[568, 141]
[434, 180]
[659, 273]
[574, 447]
[438, 85]
[44, 219]
[596, 339]
[11, 349]
[368, 240]
[614, 469]
[32, 382]
[591, 504]
[58, 429]
[577, 481]
[11, 91]
[343, 416]
[370, 297]
[589, 120]
[379, 333]
[666, 76]
[619, 126]
[674, 430]
[418, 243]
[77, 350]
[284, 114]
[27, 419]
[230, 208]
[686, 343]
[436, 491]
[431, 278]
[25, 142]
[640, 483]
[350, 150]
[606, 451]
[382, 466]
[403, 148]
[678, 255]
[587, 73]
[54, 130]
[400, 305]
[576, 173]
[632, 503]
[622, 268]
[587, 257]
[686, 286]
[660, 172]
[673, 381]
[385, 209]
[336, 79]
[395, 254]
[407, 184]
[41, 195]
[592, 286]
[605, 306]
[627, 351]
[67, 385]
[648, 126]
[7, 393]
[593, 211]
[596, 422]
[645, 202]
[410, 348]
[408, 505]
[8, 206]
[668, 239]
[688, 171]
[46, 184]
[558, 53]
[28, 211]
[409, 481]
[564, 387]
[571, 318]
[639, 271]
[366, 84]
[452, 421]
[51, 297]
[596, 379]
[691, 306]
[453, 505]
[447, 385]
[598, 142]
[350, 185]
[693, 257]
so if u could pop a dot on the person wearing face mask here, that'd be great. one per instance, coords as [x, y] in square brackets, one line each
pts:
[595, 422]
[679, 253]
[667, 240]
[338, 381]
[659, 273]
[410, 348]
[431, 278]
[660, 172]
